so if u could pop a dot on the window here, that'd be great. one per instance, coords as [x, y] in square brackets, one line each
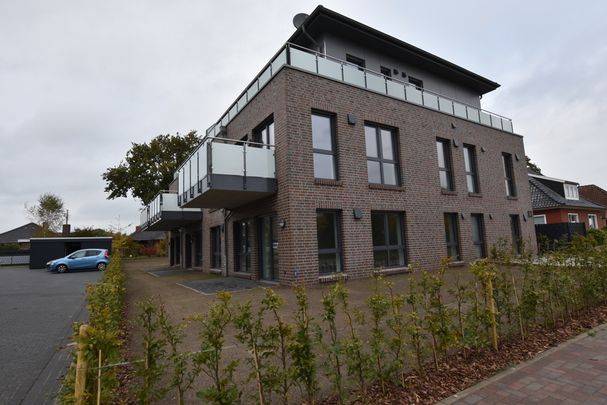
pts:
[264, 133]
[78, 255]
[323, 143]
[242, 248]
[452, 236]
[90, 253]
[416, 82]
[573, 217]
[329, 246]
[382, 162]
[470, 168]
[355, 60]
[478, 235]
[539, 219]
[443, 151]
[388, 239]
[593, 221]
[515, 228]
[385, 71]
[571, 192]
[216, 247]
[509, 175]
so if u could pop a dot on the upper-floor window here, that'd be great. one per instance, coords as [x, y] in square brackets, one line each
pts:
[509, 175]
[382, 160]
[329, 241]
[470, 167]
[388, 239]
[571, 192]
[355, 60]
[385, 71]
[443, 151]
[323, 144]
[416, 82]
[264, 134]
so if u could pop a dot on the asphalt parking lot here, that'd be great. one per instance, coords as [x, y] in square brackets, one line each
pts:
[37, 310]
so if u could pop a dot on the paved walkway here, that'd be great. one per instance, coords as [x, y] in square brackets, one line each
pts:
[572, 373]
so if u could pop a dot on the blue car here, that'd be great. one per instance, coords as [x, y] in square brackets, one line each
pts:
[81, 259]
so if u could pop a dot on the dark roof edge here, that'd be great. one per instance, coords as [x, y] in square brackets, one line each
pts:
[382, 35]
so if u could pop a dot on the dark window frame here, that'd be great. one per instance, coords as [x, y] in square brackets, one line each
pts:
[262, 131]
[454, 217]
[418, 83]
[380, 159]
[333, 152]
[387, 72]
[473, 172]
[338, 250]
[387, 247]
[509, 181]
[239, 254]
[216, 247]
[355, 60]
[517, 238]
[447, 158]
[482, 243]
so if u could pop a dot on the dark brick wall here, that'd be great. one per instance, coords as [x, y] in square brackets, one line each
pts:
[291, 96]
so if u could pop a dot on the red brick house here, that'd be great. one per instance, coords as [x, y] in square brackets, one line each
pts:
[597, 195]
[351, 151]
[559, 201]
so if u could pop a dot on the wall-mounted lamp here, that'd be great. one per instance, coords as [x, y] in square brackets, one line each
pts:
[517, 157]
[455, 143]
[462, 215]
[357, 213]
[524, 217]
[483, 149]
[351, 119]
[282, 223]
[453, 125]
[490, 216]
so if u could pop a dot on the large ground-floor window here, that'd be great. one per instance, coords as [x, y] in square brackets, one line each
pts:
[478, 235]
[216, 247]
[388, 239]
[452, 236]
[329, 243]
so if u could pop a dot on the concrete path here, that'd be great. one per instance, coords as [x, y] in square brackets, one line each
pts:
[572, 373]
[37, 310]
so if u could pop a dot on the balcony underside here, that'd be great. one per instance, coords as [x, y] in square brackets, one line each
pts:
[170, 220]
[229, 191]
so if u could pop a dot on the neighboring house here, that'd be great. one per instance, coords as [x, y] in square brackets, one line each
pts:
[148, 238]
[350, 151]
[598, 196]
[21, 234]
[559, 201]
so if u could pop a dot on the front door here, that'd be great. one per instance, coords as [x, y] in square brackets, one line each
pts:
[243, 254]
[268, 248]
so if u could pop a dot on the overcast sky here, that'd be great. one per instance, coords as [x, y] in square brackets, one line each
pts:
[81, 80]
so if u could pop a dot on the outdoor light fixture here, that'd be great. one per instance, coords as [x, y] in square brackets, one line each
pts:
[453, 125]
[357, 213]
[455, 143]
[351, 119]
[490, 216]
[462, 215]
[483, 149]
[282, 223]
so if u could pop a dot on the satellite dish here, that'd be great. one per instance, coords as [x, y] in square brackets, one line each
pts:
[299, 19]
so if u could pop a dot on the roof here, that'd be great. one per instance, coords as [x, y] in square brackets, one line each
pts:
[542, 197]
[148, 235]
[324, 20]
[531, 173]
[594, 193]
[23, 232]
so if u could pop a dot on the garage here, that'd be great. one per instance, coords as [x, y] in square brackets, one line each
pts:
[44, 249]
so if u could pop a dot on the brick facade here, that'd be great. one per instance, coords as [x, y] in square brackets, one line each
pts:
[560, 215]
[598, 196]
[290, 97]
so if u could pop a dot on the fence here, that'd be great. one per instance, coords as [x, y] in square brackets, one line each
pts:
[14, 258]
[550, 235]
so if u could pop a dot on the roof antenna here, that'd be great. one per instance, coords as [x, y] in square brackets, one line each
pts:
[298, 21]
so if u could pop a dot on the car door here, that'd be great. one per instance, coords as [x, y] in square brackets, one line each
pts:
[90, 259]
[77, 260]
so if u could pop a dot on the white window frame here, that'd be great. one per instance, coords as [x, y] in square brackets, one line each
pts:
[573, 214]
[596, 221]
[571, 192]
[543, 216]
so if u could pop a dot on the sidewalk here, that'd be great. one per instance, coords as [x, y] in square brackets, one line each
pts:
[572, 373]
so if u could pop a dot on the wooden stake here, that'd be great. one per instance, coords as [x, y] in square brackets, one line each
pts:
[99, 380]
[80, 384]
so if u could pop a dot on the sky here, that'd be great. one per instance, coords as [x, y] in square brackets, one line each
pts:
[81, 80]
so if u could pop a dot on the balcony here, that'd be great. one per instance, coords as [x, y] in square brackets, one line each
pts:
[335, 69]
[164, 214]
[226, 173]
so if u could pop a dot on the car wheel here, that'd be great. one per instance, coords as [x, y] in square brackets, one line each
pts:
[62, 268]
[101, 266]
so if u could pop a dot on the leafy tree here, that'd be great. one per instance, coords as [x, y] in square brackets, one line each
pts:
[89, 231]
[532, 166]
[149, 167]
[48, 213]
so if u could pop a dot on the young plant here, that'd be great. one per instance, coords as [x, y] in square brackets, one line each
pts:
[301, 348]
[379, 306]
[333, 348]
[486, 273]
[209, 359]
[397, 323]
[415, 327]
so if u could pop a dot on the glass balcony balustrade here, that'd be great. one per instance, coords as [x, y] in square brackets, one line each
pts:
[327, 66]
[226, 173]
[164, 214]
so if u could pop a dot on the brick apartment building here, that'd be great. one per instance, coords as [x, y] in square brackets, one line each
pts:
[351, 151]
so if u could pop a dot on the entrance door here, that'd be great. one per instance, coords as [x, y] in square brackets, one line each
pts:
[243, 253]
[268, 248]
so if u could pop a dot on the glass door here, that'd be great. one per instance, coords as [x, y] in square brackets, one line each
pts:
[268, 248]
[243, 254]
